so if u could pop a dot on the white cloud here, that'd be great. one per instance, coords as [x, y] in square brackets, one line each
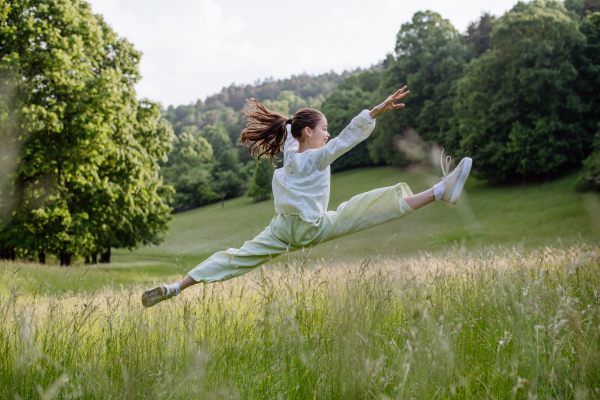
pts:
[192, 48]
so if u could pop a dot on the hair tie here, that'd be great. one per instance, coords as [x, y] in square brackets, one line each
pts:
[289, 121]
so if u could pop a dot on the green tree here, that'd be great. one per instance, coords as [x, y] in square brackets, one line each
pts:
[193, 188]
[589, 71]
[429, 59]
[217, 136]
[354, 94]
[583, 7]
[519, 109]
[261, 188]
[88, 148]
[191, 150]
[228, 174]
[590, 175]
[478, 34]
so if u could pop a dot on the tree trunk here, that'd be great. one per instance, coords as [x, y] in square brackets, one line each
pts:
[65, 257]
[105, 257]
[8, 253]
[94, 258]
[42, 257]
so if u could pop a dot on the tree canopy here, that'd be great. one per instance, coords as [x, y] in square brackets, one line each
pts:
[519, 107]
[86, 176]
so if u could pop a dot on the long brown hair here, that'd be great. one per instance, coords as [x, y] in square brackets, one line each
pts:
[266, 131]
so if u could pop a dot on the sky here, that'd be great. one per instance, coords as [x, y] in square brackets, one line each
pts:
[194, 48]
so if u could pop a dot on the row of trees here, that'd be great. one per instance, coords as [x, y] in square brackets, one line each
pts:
[79, 152]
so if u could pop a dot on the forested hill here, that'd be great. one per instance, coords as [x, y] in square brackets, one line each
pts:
[291, 94]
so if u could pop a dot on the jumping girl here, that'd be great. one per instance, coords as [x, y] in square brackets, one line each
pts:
[301, 192]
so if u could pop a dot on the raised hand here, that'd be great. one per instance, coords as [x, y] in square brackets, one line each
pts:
[388, 104]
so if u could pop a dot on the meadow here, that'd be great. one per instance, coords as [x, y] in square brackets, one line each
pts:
[496, 298]
[499, 324]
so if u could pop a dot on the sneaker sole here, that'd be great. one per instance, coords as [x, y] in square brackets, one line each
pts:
[462, 179]
[154, 296]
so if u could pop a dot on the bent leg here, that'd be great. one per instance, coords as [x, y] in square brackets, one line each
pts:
[367, 210]
[224, 265]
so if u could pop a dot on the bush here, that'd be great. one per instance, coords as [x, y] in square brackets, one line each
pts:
[261, 188]
[590, 176]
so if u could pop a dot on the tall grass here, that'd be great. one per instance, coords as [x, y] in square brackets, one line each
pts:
[499, 325]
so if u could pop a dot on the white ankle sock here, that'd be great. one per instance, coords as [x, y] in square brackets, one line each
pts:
[173, 289]
[438, 190]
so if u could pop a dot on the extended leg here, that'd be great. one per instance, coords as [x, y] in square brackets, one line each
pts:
[223, 265]
[369, 209]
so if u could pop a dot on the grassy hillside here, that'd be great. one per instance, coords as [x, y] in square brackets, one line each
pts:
[513, 216]
[519, 216]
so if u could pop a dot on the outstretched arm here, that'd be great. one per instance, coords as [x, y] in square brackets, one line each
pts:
[358, 130]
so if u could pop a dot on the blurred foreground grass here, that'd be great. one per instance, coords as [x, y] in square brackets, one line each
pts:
[501, 324]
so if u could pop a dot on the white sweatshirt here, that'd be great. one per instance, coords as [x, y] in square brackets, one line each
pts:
[301, 186]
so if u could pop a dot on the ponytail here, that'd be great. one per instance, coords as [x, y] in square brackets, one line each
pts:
[266, 131]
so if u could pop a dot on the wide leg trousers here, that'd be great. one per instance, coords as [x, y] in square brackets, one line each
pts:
[289, 232]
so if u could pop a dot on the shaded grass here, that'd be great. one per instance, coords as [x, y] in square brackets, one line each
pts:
[35, 278]
[501, 324]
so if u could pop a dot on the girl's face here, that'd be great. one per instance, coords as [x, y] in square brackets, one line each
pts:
[317, 137]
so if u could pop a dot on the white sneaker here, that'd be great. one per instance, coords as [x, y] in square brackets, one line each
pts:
[154, 296]
[454, 182]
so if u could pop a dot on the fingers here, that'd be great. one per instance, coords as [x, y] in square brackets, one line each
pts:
[395, 95]
[402, 95]
[389, 105]
[399, 91]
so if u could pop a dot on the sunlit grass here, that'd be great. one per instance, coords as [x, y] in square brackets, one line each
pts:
[497, 324]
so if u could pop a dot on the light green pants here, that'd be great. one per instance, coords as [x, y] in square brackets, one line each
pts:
[289, 233]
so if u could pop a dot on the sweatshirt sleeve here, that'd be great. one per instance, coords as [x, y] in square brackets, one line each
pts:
[358, 130]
